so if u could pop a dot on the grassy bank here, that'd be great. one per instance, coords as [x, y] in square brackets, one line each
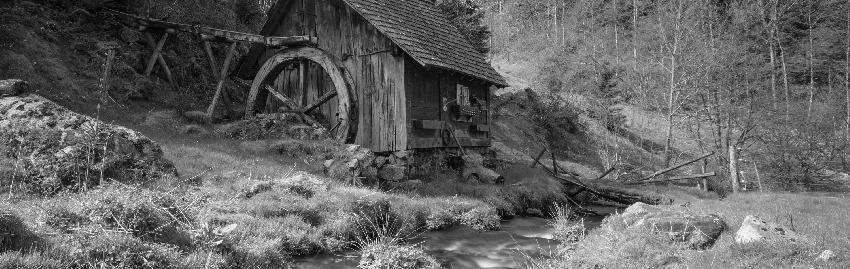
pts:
[822, 218]
[235, 207]
[229, 224]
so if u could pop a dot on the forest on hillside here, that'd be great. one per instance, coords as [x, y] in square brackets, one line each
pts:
[768, 77]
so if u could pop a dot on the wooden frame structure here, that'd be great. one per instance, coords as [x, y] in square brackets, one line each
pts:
[417, 82]
[343, 84]
[151, 26]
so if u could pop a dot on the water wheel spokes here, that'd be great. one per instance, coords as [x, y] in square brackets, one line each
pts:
[344, 129]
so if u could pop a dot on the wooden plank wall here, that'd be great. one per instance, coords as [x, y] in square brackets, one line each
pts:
[367, 55]
[427, 90]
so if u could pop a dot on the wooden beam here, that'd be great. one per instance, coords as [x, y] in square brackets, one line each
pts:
[293, 106]
[213, 61]
[667, 170]
[302, 82]
[221, 78]
[322, 100]
[537, 160]
[104, 79]
[674, 178]
[156, 53]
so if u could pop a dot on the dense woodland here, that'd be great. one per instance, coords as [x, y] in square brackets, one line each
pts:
[770, 77]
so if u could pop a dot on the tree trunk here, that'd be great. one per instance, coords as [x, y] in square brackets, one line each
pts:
[733, 169]
[775, 18]
[671, 97]
[634, 36]
[847, 81]
[772, 70]
[811, 65]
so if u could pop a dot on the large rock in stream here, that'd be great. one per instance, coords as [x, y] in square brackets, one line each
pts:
[48, 148]
[698, 231]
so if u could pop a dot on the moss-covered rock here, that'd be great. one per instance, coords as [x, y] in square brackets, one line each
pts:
[55, 149]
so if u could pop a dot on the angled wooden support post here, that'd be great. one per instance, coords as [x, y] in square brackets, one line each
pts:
[537, 160]
[222, 75]
[213, 62]
[157, 56]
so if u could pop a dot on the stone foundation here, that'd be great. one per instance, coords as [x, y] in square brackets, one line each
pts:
[358, 164]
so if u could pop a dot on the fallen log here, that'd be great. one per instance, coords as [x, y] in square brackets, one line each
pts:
[669, 169]
[673, 179]
[588, 188]
[606, 173]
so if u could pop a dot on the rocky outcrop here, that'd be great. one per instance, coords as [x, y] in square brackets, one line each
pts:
[54, 149]
[754, 229]
[698, 231]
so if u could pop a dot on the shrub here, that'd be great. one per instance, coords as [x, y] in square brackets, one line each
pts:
[270, 243]
[382, 255]
[62, 218]
[145, 214]
[377, 222]
[481, 219]
[567, 228]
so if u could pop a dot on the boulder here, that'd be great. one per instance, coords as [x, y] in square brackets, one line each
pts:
[754, 229]
[380, 161]
[392, 172]
[481, 174]
[13, 87]
[698, 231]
[474, 170]
[826, 255]
[350, 162]
[58, 149]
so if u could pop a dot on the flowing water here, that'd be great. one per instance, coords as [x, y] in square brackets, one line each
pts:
[509, 247]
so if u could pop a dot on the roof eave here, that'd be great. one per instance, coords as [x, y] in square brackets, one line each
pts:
[501, 83]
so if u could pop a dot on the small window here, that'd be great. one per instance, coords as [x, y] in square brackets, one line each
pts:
[463, 95]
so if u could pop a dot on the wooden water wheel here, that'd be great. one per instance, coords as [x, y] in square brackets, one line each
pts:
[343, 127]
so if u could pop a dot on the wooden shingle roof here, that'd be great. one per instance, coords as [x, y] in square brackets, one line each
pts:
[418, 27]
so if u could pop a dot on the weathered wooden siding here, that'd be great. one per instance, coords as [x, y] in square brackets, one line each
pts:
[367, 54]
[431, 96]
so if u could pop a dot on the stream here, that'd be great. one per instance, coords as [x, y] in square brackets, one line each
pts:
[509, 247]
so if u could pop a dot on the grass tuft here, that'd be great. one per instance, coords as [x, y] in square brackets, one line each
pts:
[384, 255]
